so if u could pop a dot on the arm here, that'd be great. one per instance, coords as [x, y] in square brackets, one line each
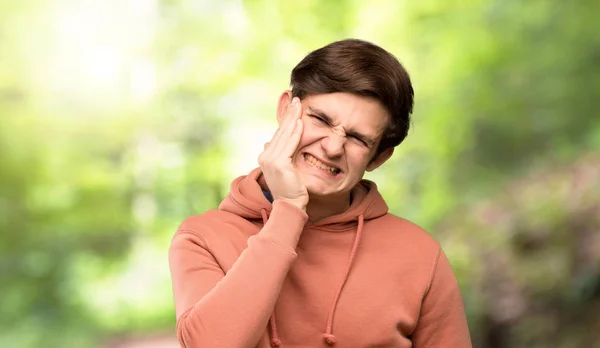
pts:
[442, 321]
[232, 310]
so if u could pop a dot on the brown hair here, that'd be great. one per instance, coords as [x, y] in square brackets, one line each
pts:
[362, 68]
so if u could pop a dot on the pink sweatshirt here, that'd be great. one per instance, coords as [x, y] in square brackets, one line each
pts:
[364, 278]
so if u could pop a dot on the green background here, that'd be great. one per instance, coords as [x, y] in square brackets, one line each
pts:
[121, 118]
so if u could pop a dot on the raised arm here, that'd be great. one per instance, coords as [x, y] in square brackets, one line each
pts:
[232, 310]
[215, 309]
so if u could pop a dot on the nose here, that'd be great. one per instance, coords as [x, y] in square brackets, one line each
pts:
[333, 145]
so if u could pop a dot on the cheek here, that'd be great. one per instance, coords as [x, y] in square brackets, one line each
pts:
[304, 140]
[360, 158]
[310, 133]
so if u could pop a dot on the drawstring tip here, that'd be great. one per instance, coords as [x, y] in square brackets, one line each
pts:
[329, 338]
[275, 343]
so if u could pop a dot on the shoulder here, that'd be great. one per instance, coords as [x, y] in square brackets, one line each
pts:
[213, 223]
[204, 220]
[404, 228]
[402, 234]
[213, 236]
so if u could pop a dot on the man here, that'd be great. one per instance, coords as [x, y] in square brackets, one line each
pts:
[303, 252]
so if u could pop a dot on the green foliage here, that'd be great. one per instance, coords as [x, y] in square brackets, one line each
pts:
[120, 120]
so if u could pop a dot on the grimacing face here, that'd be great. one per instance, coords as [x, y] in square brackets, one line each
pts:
[340, 137]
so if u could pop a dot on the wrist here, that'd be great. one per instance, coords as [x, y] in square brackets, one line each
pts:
[299, 204]
[285, 224]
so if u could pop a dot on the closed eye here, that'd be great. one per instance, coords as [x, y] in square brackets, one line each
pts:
[320, 119]
[358, 139]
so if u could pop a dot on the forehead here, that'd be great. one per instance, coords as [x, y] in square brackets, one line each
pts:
[350, 110]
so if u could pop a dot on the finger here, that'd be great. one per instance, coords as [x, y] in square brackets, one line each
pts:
[285, 122]
[293, 111]
[297, 110]
[292, 144]
[277, 135]
[281, 138]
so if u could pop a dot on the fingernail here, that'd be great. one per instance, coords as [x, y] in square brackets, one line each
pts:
[296, 101]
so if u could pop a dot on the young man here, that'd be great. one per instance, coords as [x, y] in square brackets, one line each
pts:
[303, 252]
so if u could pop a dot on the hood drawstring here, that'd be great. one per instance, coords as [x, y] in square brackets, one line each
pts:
[275, 341]
[328, 335]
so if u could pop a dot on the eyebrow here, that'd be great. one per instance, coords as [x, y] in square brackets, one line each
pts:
[369, 140]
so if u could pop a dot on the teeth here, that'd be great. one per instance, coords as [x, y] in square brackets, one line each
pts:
[316, 163]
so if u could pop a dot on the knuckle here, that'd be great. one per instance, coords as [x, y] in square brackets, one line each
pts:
[278, 167]
[261, 159]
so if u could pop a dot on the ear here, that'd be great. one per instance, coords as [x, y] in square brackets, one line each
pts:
[380, 159]
[284, 101]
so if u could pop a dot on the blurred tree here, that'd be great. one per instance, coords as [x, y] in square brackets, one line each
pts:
[100, 165]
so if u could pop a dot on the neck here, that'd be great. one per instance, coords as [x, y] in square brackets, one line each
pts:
[319, 208]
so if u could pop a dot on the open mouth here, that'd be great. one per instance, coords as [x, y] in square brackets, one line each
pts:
[313, 161]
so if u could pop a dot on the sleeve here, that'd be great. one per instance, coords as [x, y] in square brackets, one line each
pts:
[442, 320]
[215, 309]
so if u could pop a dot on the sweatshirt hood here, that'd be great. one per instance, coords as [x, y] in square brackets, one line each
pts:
[247, 199]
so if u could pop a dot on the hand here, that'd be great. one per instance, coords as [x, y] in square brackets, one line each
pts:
[276, 161]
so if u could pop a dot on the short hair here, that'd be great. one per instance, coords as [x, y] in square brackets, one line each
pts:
[361, 68]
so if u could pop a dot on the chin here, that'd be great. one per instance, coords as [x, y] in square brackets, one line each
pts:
[318, 188]
[323, 190]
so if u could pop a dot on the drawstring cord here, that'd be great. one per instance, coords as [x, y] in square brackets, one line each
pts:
[275, 341]
[328, 335]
